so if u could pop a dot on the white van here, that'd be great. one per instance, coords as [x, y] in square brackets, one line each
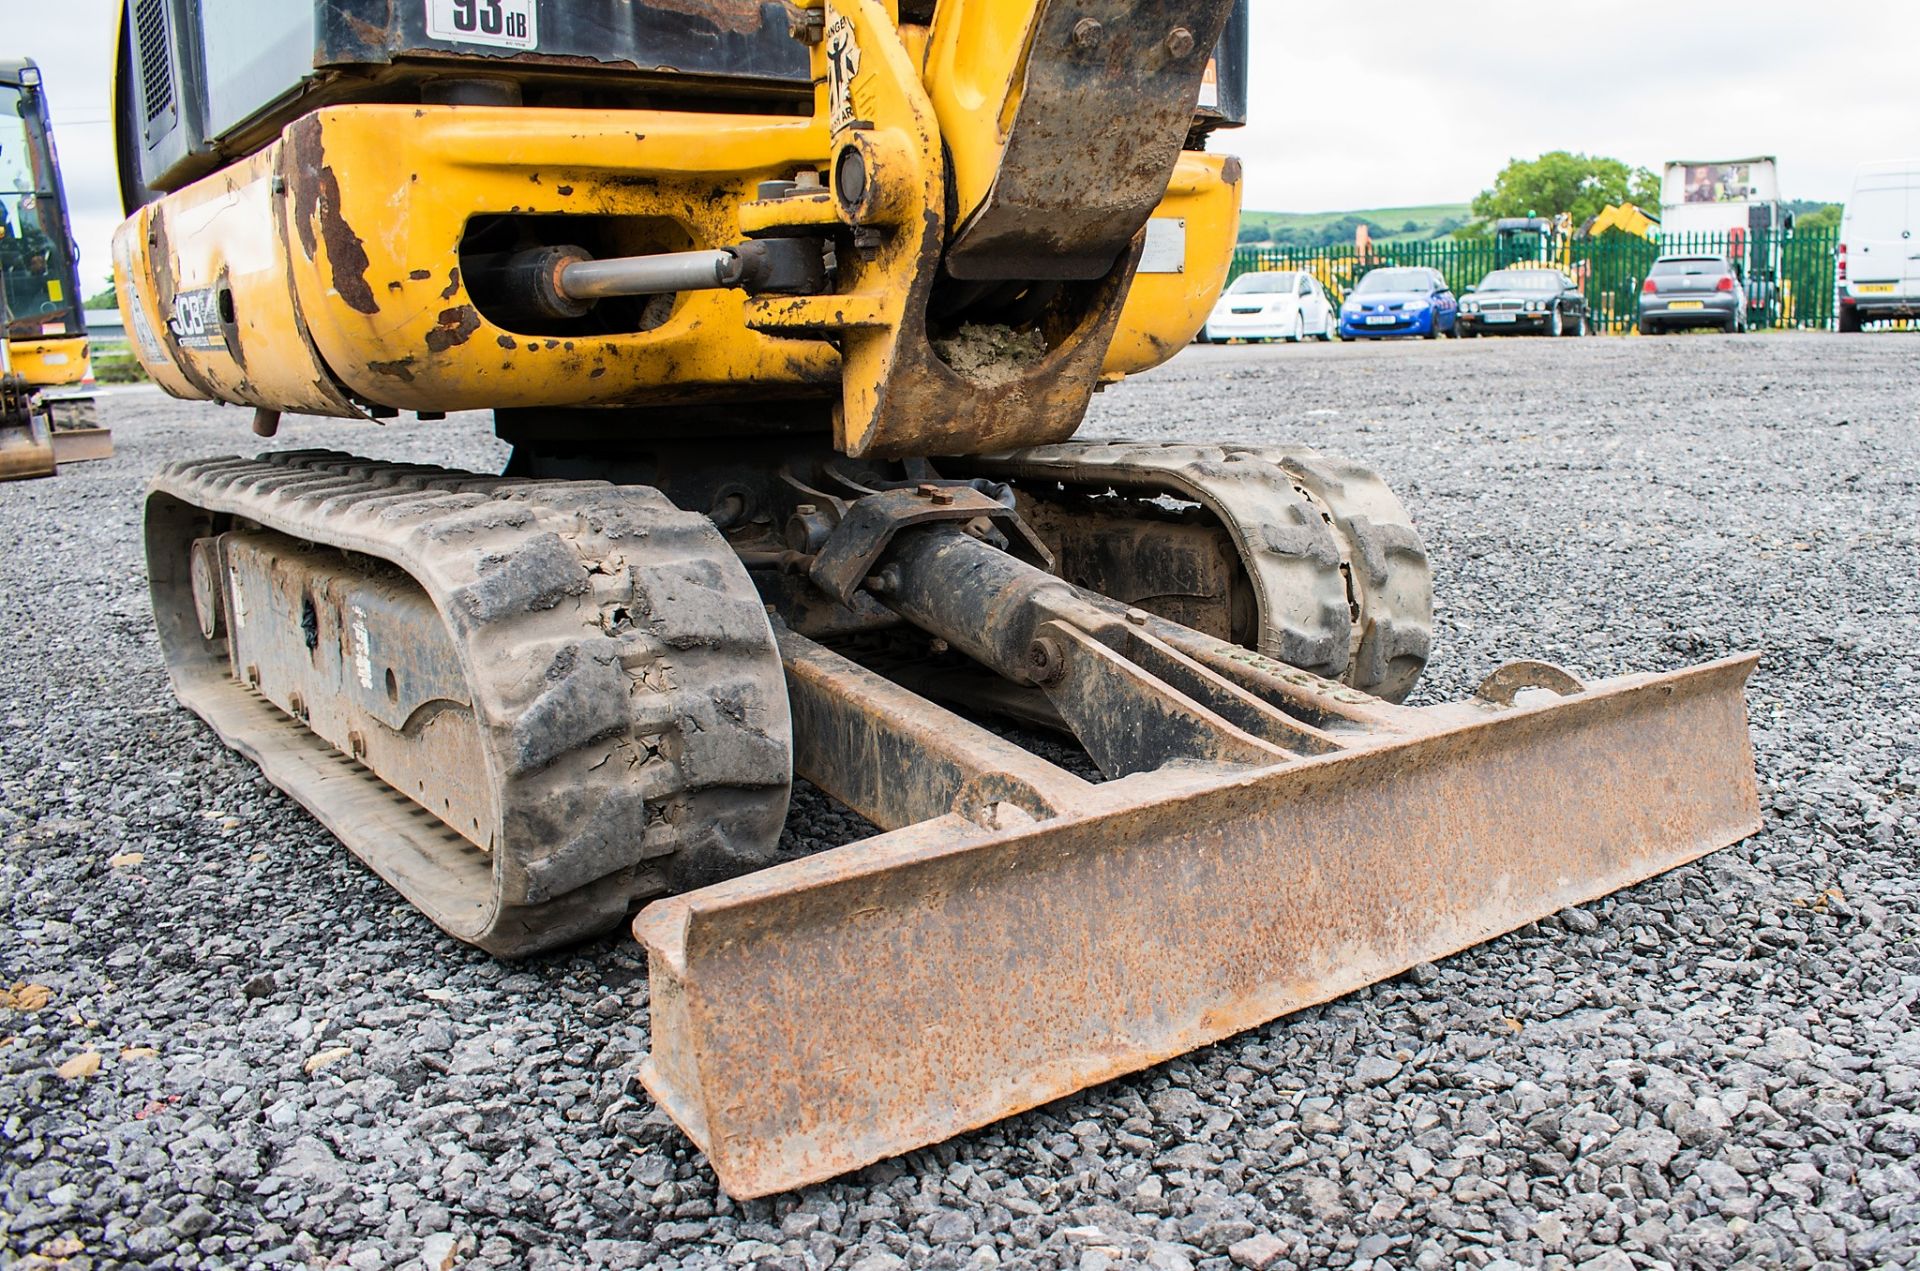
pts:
[1878, 269]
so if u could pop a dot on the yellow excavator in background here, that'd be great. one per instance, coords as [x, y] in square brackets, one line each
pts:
[44, 347]
[1622, 218]
[790, 313]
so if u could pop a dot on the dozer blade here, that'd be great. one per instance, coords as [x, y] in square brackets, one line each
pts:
[827, 1013]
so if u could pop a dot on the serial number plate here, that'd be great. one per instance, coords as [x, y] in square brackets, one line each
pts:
[505, 24]
[1684, 304]
[1500, 317]
[1874, 288]
[1380, 320]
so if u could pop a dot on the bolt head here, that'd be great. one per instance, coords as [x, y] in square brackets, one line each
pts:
[1046, 659]
[1179, 42]
[1087, 33]
[1138, 617]
[850, 176]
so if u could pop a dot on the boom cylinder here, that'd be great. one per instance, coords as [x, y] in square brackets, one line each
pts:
[983, 601]
[560, 283]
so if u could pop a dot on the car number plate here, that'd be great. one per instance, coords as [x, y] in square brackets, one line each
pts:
[1874, 288]
[1684, 304]
[1380, 320]
[1499, 317]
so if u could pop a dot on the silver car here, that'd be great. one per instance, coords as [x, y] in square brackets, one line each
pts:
[1692, 291]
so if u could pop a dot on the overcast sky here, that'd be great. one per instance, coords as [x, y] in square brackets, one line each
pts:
[1393, 104]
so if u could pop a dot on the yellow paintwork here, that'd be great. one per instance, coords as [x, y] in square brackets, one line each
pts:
[51, 361]
[679, 177]
[322, 274]
[975, 69]
[224, 231]
[903, 155]
[1165, 311]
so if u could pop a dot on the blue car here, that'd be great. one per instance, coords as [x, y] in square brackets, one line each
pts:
[1401, 300]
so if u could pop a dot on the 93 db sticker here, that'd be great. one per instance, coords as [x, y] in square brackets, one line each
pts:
[505, 24]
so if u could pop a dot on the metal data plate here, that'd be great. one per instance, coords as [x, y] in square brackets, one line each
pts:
[1166, 249]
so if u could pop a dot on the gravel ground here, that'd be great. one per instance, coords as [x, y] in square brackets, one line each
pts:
[1720, 1067]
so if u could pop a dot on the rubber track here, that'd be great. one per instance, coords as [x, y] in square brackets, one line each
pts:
[619, 661]
[1343, 583]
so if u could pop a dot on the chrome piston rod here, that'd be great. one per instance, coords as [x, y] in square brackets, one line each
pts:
[561, 283]
[652, 275]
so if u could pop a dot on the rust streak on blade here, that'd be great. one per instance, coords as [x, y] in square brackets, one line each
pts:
[893, 993]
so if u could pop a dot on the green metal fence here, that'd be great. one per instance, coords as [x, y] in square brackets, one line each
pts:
[1789, 277]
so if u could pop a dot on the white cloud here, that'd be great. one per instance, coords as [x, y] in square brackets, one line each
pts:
[1396, 103]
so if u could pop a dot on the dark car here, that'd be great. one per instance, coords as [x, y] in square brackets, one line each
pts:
[1535, 301]
[1692, 291]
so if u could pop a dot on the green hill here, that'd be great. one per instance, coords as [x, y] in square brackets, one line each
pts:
[1320, 229]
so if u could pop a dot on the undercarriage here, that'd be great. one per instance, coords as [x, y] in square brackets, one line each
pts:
[536, 705]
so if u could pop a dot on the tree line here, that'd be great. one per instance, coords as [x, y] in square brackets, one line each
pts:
[1580, 185]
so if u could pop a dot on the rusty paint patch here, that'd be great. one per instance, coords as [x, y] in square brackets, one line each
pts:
[453, 284]
[346, 254]
[563, 190]
[506, 342]
[400, 368]
[741, 17]
[420, 275]
[316, 204]
[453, 327]
[303, 164]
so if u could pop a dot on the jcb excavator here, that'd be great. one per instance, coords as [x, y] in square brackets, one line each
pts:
[44, 418]
[790, 313]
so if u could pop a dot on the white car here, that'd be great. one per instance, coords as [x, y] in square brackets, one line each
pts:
[1281, 305]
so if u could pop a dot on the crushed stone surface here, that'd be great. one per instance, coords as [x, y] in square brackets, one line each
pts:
[225, 1044]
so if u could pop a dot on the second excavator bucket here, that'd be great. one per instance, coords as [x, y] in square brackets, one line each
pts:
[26, 449]
[26, 439]
[1049, 934]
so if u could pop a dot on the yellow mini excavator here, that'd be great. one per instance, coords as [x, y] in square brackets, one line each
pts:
[44, 418]
[790, 312]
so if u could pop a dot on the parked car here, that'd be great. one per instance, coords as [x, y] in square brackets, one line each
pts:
[1878, 265]
[1278, 305]
[1692, 291]
[1399, 300]
[1535, 301]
